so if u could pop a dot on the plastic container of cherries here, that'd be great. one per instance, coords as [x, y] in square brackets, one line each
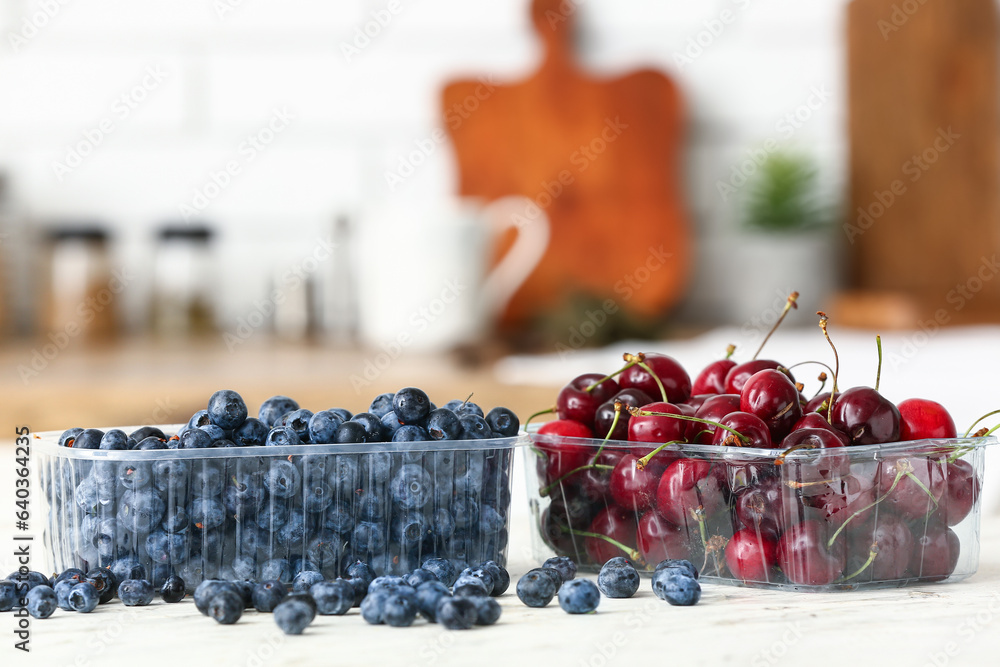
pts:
[740, 474]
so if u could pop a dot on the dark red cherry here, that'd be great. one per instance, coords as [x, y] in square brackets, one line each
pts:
[658, 539]
[867, 417]
[845, 497]
[761, 507]
[690, 491]
[695, 401]
[605, 415]
[575, 402]
[566, 428]
[935, 553]
[676, 381]
[754, 430]
[713, 409]
[657, 428]
[614, 522]
[594, 482]
[828, 457]
[712, 379]
[804, 557]
[921, 487]
[816, 420]
[770, 395]
[921, 419]
[963, 491]
[569, 511]
[816, 402]
[892, 542]
[740, 373]
[634, 488]
[751, 555]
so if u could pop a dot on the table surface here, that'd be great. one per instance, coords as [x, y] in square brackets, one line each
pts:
[952, 624]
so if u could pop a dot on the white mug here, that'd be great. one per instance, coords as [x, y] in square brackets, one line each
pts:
[422, 270]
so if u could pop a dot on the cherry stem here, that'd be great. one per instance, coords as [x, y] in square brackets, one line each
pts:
[632, 360]
[592, 466]
[991, 431]
[872, 554]
[988, 414]
[614, 423]
[730, 349]
[899, 475]
[634, 555]
[794, 448]
[550, 411]
[823, 320]
[822, 383]
[636, 412]
[789, 304]
[663, 391]
[920, 484]
[878, 374]
[644, 461]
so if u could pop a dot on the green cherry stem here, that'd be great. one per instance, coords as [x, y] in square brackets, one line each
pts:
[878, 374]
[730, 350]
[988, 414]
[614, 423]
[543, 492]
[789, 304]
[663, 391]
[823, 320]
[904, 469]
[633, 555]
[644, 461]
[872, 554]
[630, 359]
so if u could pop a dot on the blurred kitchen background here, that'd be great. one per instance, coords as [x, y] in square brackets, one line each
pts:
[310, 197]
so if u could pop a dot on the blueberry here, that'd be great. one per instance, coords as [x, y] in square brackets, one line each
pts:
[282, 480]
[399, 611]
[442, 568]
[74, 574]
[206, 513]
[381, 404]
[143, 432]
[411, 487]
[372, 425]
[206, 481]
[305, 580]
[442, 524]
[390, 424]
[536, 589]
[175, 519]
[429, 594]
[672, 585]
[333, 597]
[420, 576]
[564, 565]
[135, 592]
[89, 438]
[501, 578]
[456, 613]
[199, 418]
[41, 601]
[343, 474]
[477, 573]
[443, 424]
[114, 439]
[173, 589]
[293, 616]
[316, 496]
[8, 595]
[411, 433]
[69, 436]
[196, 438]
[579, 596]
[133, 475]
[215, 433]
[470, 587]
[83, 597]
[104, 581]
[385, 581]
[226, 607]
[411, 405]
[207, 589]
[128, 567]
[350, 433]
[226, 409]
[684, 566]
[373, 606]
[152, 442]
[274, 408]
[475, 427]
[360, 570]
[298, 421]
[504, 422]
[172, 476]
[62, 589]
[251, 433]
[487, 611]
[323, 427]
[618, 578]
[268, 594]
[282, 436]
[409, 529]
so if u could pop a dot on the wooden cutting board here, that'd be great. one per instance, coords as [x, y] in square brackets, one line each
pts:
[924, 219]
[599, 156]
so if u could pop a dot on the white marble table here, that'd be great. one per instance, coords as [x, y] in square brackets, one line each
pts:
[955, 624]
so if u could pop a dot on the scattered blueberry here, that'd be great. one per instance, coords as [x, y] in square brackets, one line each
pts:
[135, 592]
[225, 607]
[579, 596]
[488, 611]
[675, 587]
[293, 616]
[83, 598]
[305, 580]
[536, 588]
[333, 597]
[563, 565]
[456, 613]
[173, 589]
[618, 578]
[268, 594]
[398, 610]
[41, 601]
[684, 565]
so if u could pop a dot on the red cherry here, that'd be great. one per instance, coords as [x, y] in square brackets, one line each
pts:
[739, 374]
[594, 482]
[634, 488]
[804, 557]
[657, 428]
[614, 522]
[695, 401]
[909, 499]
[935, 553]
[770, 395]
[751, 556]
[713, 409]
[963, 491]
[867, 417]
[658, 539]
[816, 402]
[690, 490]
[566, 428]
[827, 460]
[839, 499]
[760, 507]
[605, 415]
[893, 542]
[816, 420]
[575, 402]
[750, 426]
[712, 379]
[676, 381]
[921, 419]
[562, 453]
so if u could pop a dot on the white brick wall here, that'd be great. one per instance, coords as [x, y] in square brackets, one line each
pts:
[353, 118]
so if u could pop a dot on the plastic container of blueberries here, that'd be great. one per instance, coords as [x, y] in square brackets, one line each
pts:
[820, 520]
[454, 504]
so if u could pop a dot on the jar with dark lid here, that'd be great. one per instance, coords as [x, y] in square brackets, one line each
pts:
[183, 278]
[82, 291]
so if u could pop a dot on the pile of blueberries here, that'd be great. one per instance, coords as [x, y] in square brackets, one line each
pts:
[270, 517]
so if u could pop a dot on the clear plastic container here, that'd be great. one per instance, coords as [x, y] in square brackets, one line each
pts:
[820, 520]
[269, 512]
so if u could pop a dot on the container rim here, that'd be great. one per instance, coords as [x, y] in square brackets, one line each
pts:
[47, 442]
[715, 451]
